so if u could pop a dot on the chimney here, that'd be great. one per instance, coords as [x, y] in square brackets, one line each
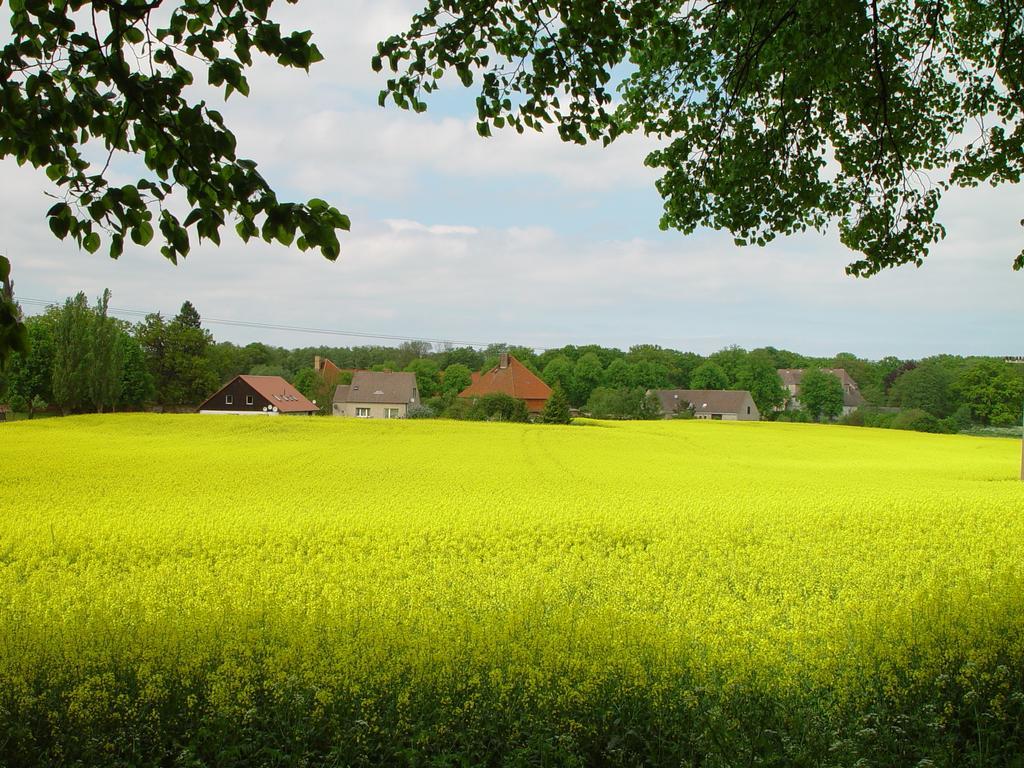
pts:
[503, 360]
[316, 363]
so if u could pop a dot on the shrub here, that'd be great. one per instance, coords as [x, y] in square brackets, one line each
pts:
[917, 420]
[497, 406]
[855, 418]
[460, 408]
[419, 411]
[623, 403]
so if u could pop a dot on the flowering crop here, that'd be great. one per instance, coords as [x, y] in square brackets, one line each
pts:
[284, 591]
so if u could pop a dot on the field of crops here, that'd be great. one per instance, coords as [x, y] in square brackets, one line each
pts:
[186, 590]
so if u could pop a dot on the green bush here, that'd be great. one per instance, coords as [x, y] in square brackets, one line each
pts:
[419, 411]
[460, 408]
[917, 420]
[623, 403]
[855, 418]
[497, 406]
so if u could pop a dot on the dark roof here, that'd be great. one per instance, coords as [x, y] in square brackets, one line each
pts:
[378, 387]
[513, 378]
[704, 400]
[851, 392]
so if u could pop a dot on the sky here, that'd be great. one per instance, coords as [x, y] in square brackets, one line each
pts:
[514, 238]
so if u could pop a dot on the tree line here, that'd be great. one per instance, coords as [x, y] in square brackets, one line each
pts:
[81, 359]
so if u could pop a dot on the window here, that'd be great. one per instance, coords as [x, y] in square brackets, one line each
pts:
[390, 413]
[748, 410]
[363, 413]
[716, 417]
[248, 399]
[229, 400]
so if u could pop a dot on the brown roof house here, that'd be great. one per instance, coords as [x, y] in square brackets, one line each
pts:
[258, 396]
[330, 373]
[852, 398]
[714, 404]
[377, 395]
[512, 378]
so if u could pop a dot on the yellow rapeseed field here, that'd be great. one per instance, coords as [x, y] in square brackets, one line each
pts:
[287, 590]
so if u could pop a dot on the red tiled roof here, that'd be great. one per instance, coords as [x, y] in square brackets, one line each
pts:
[516, 380]
[281, 394]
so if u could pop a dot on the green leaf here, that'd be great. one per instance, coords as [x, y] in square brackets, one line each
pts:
[59, 226]
[142, 234]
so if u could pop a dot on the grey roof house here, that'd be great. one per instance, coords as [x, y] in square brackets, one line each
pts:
[714, 404]
[376, 395]
[852, 398]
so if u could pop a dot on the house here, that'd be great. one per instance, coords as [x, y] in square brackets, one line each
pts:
[852, 398]
[513, 378]
[4, 410]
[258, 396]
[325, 369]
[329, 373]
[376, 395]
[714, 404]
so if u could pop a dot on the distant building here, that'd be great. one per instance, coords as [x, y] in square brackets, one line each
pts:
[258, 396]
[328, 372]
[714, 404]
[1016, 360]
[512, 378]
[376, 395]
[4, 410]
[852, 398]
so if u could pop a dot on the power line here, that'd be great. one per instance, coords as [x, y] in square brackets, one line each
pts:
[291, 328]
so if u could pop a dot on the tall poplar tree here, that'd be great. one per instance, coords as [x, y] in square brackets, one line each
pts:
[73, 351]
[107, 361]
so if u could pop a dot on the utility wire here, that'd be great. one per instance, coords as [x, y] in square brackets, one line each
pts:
[292, 328]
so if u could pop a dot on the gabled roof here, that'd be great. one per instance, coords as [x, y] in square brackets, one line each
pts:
[851, 392]
[704, 400]
[513, 378]
[280, 394]
[325, 367]
[378, 387]
[273, 389]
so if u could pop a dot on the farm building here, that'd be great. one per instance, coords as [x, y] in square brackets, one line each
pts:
[852, 398]
[256, 396]
[329, 373]
[715, 404]
[376, 395]
[512, 378]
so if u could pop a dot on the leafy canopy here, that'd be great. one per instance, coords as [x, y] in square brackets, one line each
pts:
[773, 117]
[78, 75]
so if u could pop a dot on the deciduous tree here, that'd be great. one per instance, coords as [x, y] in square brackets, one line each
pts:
[821, 394]
[106, 361]
[709, 375]
[73, 349]
[773, 117]
[116, 75]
